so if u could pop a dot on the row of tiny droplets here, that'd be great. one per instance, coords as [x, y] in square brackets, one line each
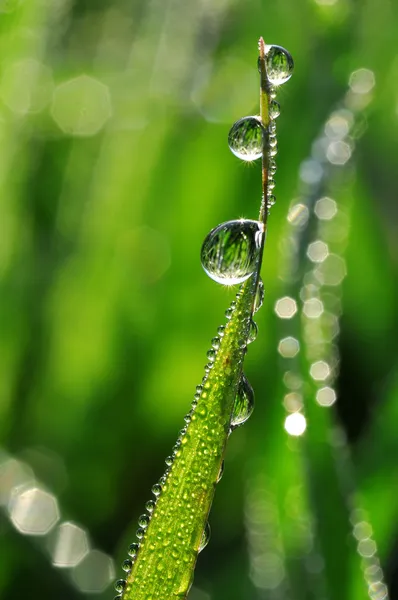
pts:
[144, 519]
[332, 150]
[234, 271]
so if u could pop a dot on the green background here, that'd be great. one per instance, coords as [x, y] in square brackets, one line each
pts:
[114, 165]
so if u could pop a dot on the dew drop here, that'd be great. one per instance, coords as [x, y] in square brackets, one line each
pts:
[221, 471]
[127, 565]
[140, 533]
[205, 537]
[150, 506]
[143, 521]
[229, 312]
[279, 64]
[156, 489]
[253, 331]
[245, 138]
[120, 585]
[274, 109]
[199, 389]
[211, 355]
[215, 342]
[272, 167]
[221, 330]
[133, 550]
[230, 251]
[244, 403]
[271, 200]
[259, 298]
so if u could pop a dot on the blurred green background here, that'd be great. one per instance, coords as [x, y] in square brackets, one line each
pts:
[114, 165]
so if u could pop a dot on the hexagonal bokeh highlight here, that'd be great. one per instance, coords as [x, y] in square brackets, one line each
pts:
[288, 347]
[286, 307]
[71, 545]
[94, 573]
[81, 106]
[33, 511]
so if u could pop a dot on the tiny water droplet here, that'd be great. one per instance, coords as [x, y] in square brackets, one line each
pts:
[205, 537]
[270, 184]
[133, 550]
[245, 138]
[221, 471]
[199, 389]
[230, 251]
[120, 585]
[215, 342]
[279, 64]
[140, 533]
[259, 299]
[211, 355]
[150, 506]
[244, 403]
[221, 330]
[272, 128]
[253, 331]
[187, 419]
[272, 167]
[117, 598]
[273, 151]
[273, 142]
[229, 312]
[143, 521]
[156, 489]
[274, 109]
[271, 200]
[127, 565]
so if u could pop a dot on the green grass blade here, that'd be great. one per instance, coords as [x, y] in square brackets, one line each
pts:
[169, 549]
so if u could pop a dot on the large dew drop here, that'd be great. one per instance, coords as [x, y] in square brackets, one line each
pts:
[230, 251]
[244, 403]
[245, 138]
[279, 64]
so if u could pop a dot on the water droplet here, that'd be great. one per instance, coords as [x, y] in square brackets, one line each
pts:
[117, 598]
[143, 521]
[274, 109]
[187, 419]
[127, 565]
[259, 299]
[279, 64]
[221, 330]
[271, 200]
[140, 533]
[205, 537]
[273, 142]
[244, 403]
[211, 355]
[253, 331]
[273, 151]
[120, 585]
[230, 251]
[156, 489]
[221, 471]
[229, 312]
[150, 506]
[133, 550]
[215, 342]
[199, 389]
[272, 167]
[245, 138]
